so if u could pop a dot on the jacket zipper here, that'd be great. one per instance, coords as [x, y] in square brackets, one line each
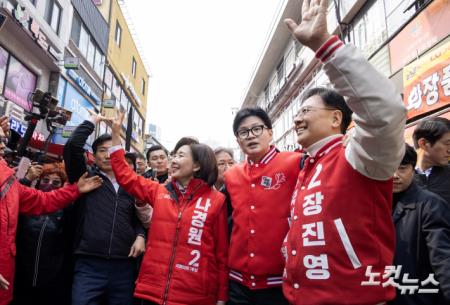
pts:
[172, 258]
[112, 229]
[38, 252]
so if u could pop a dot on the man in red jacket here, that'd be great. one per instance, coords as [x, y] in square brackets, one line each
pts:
[16, 198]
[260, 190]
[341, 227]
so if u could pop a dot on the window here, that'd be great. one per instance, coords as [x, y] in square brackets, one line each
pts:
[133, 67]
[280, 72]
[118, 34]
[143, 87]
[76, 29]
[87, 46]
[90, 53]
[53, 15]
[84, 41]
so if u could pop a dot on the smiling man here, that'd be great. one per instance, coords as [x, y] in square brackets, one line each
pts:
[341, 207]
[259, 190]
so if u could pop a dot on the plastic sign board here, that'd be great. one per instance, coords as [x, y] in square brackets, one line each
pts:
[71, 63]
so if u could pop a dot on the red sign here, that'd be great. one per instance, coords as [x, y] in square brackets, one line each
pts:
[428, 28]
[427, 82]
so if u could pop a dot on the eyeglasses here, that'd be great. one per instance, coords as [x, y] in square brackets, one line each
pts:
[255, 130]
[307, 109]
[53, 182]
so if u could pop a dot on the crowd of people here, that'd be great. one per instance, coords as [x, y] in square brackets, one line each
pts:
[356, 216]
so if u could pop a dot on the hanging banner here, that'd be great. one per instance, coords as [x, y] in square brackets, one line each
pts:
[427, 82]
[428, 28]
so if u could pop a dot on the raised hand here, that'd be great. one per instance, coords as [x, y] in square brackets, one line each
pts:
[117, 122]
[96, 118]
[312, 31]
[85, 184]
[4, 125]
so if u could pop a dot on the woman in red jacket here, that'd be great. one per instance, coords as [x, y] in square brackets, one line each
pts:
[187, 249]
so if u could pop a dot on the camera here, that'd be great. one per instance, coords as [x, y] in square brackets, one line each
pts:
[44, 101]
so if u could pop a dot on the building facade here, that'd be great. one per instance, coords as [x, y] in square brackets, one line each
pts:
[33, 36]
[126, 75]
[407, 42]
[80, 88]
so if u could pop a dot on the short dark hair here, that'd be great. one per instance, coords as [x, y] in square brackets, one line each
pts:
[204, 156]
[140, 156]
[100, 140]
[131, 156]
[332, 99]
[155, 148]
[219, 150]
[250, 111]
[184, 141]
[410, 156]
[431, 129]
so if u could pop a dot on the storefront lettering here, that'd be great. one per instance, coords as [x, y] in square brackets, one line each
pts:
[83, 85]
[24, 19]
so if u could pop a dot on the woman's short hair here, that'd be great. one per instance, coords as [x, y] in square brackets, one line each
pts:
[204, 156]
[54, 168]
[228, 151]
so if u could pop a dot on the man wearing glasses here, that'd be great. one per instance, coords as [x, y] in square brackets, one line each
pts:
[342, 237]
[260, 190]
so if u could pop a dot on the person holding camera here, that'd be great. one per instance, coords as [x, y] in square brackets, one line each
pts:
[16, 198]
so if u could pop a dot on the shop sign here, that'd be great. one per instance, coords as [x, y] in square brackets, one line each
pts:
[22, 129]
[130, 87]
[24, 19]
[71, 63]
[76, 103]
[428, 28]
[83, 85]
[20, 82]
[427, 82]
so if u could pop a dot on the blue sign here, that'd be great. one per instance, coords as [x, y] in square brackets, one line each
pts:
[82, 84]
[73, 101]
[17, 127]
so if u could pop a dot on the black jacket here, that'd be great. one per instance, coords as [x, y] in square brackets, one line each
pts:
[106, 224]
[422, 222]
[161, 179]
[437, 182]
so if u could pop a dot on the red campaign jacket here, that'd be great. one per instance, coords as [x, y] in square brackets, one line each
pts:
[260, 195]
[328, 247]
[186, 257]
[25, 200]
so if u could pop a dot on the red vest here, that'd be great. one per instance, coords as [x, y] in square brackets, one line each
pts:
[185, 259]
[340, 224]
[260, 195]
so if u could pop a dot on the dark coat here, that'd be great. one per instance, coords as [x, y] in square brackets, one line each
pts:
[422, 222]
[106, 224]
[437, 182]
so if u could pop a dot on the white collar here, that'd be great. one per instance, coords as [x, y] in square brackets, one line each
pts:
[426, 172]
[314, 148]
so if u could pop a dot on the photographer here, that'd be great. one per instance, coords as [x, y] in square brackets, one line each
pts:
[16, 198]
